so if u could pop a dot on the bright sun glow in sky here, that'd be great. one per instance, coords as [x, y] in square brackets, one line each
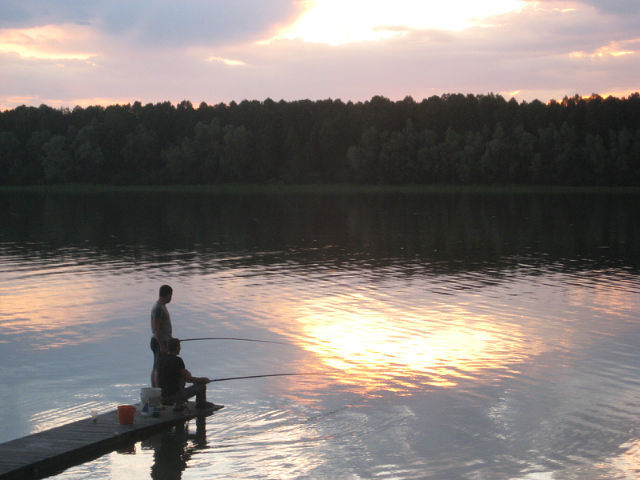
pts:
[338, 22]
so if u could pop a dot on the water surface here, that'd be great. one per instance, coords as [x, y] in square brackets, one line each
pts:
[460, 336]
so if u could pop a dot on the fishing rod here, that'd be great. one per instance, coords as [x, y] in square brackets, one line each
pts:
[232, 338]
[267, 375]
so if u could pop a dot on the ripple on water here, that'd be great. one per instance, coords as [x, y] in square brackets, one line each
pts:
[508, 374]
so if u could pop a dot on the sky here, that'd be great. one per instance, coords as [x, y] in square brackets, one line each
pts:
[64, 53]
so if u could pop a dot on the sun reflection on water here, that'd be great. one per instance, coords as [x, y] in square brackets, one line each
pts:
[627, 463]
[370, 344]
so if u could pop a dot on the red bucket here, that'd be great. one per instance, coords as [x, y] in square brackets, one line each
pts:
[125, 414]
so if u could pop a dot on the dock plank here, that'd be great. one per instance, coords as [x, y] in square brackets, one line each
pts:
[50, 451]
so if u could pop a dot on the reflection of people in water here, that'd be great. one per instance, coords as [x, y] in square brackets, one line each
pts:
[171, 450]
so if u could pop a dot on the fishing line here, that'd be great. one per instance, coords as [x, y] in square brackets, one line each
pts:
[267, 375]
[233, 338]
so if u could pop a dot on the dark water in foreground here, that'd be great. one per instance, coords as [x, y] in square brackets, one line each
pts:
[464, 336]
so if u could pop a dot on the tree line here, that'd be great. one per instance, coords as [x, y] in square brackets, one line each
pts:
[448, 139]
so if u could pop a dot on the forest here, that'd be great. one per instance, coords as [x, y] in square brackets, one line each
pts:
[453, 139]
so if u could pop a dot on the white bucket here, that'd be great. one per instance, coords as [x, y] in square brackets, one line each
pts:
[150, 397]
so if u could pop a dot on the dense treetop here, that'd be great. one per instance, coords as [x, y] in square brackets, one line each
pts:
[448, 139]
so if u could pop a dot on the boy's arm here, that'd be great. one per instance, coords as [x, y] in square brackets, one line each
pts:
[191, 379]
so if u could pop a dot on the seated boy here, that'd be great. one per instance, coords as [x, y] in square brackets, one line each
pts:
[173, 376]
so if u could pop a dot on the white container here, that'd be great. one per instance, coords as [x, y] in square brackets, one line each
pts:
[150, 398]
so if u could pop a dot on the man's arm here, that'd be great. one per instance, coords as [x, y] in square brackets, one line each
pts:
[156, 328]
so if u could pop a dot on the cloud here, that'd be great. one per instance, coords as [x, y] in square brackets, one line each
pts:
[207, 51]
[197, 21]
[613, 49]
[617, 7]
[529, 51]
[50, 42]
[625, 13]
[156, 22]
[25, 14]
[227, 61]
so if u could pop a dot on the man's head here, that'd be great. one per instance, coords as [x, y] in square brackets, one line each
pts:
[165, 293]
[173, 345]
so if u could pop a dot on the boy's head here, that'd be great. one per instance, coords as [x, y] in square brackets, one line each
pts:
[173, 345]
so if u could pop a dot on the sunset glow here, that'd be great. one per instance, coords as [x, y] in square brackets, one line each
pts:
[613, 49]
[43, 309]
[336, 22]
[377, 347]
[227, 50]
[227, 61]
[49, 42]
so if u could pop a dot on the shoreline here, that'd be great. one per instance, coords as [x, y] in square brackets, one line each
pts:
[232, 189]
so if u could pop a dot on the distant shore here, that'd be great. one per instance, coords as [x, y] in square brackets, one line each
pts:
[448, 140]
[320, 189]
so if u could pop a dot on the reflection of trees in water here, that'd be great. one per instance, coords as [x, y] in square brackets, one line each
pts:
[174, 447]
[439, 232]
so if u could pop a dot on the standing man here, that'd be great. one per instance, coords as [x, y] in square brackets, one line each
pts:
[160, 329]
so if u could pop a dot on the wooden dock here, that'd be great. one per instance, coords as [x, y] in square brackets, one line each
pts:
[51, 451]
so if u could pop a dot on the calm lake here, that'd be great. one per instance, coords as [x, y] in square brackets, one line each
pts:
[461, 335]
